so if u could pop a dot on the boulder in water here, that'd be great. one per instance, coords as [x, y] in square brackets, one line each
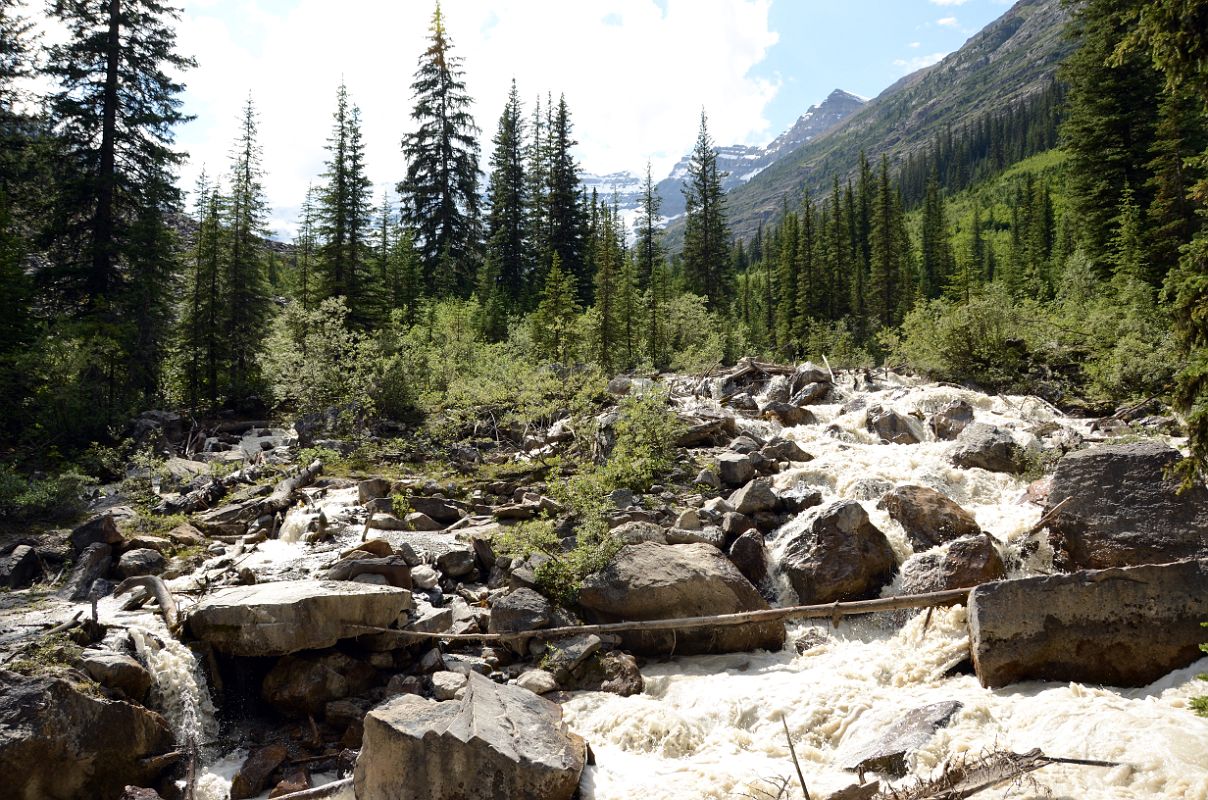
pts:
[1122, 626]
[750, 556]
[274, 619]
[928, 517]
[757, 495]
[735, 469]
[892, 427]
[495, 742]
[968, 561]
[1116, 506]
[982, 446]
[301, 685]
[949, 421]
[840, 555]
[650, 581]
[59, 744]
[885, 751]
[252, 776]
[788, 414]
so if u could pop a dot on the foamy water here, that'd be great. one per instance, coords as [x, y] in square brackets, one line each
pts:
[713, 727]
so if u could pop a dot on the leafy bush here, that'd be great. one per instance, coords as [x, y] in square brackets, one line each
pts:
[646, 431]
[42, 499]
[561, 576]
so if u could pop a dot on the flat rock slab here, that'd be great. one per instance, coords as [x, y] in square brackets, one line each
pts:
[886, 751]
[274, 619]
[1122, 626]
[496, 742]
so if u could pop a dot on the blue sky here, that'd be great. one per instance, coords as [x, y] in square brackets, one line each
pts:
[635, 72]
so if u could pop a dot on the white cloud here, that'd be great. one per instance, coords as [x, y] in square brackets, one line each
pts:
[947, 22]
[909, 65]
[629, 71]
[915, 45]
[949, 2]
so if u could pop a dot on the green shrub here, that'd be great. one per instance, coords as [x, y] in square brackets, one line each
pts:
[561, 576]
[42, 499]
[646, 431]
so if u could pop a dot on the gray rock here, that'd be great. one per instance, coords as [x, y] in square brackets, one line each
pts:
[495, 742]
[746, 444]
[565, 656]
[393, 569]
[808, 373]
[750, 556]
[688, 520]
[424, 577]
[969, 561]
[302, 684]
[537, 681]
[949, 421]
[143, 561]
[810, 393]
[446, 685]
[799, 498]
[253, 774]
[886, 750]
[520, 610]
[101, 529]
[651, 581]
[1122, 626]
[117, 671]
[458, 562]
[19, 568]
[982, 446]
[708, 477]
[92, 564]
[1118, 507]
[704, 432]
[622, 498]
[439, 509]
[840, 555]
[57, 743]
[289, 616]
[788, 415]
[419, 521]
[710, 535]
[892, 427]
[757, 495]
[372, 489]
[430, 619]
[734, 469]
[785, 450]
[637, 532]
[928, 517]
[734, 524]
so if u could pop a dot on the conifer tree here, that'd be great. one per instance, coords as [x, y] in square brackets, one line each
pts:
[202, 350]
[658, 293]
[246, 301]
[787, 283]
[629, 314]
[808, 290]
[114, 108]
[306, 290]
[885, 278]
[17, 324]
[648, 249]
[344, 214]
[839, 268]
[553, 323]
[936, 256]
[607, 258]
[706, 241]
[566, 222]
[440, 192]
[508, 239]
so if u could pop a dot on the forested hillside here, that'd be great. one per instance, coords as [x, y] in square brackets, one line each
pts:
[996, 219]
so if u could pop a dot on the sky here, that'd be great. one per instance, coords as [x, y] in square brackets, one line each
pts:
[636, 73]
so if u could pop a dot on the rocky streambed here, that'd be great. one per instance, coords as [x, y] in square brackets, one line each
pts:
[327, 630]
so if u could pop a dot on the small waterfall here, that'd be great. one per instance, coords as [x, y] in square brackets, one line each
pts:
[180, 689]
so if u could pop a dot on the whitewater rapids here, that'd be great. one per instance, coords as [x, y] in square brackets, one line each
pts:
[713, 726]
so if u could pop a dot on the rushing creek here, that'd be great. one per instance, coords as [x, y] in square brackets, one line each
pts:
[714, 726]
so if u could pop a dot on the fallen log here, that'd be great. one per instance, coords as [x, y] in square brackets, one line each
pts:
[832, 611]
[206, 496]
[233, 518]
[319, 792]
[156, 586]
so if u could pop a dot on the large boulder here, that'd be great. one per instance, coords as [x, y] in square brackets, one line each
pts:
[521, 609]
[302, 685]
[650, 581]
[892, 427]
[1123, 626]
[788, 414]
[118, 671]
[100, 529]
[274, 619]
[757, 495]
[750, 555]
[1115, 506]
[140, 561]
[949, 421]
[840, 555]
[92, 564]
[496, 742]
[59, 744]
[928, 517]
[735, 469]
[968, 561]
[982, 446]
[19, 567]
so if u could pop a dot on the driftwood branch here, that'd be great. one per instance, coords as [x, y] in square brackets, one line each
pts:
[827, 611]
[796, 764]
[319, 792]
[1047, 518]
[156, 586]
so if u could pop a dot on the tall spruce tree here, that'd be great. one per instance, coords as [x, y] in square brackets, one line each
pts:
[565, 212]
[886, 278]
[247, 303]
[508, 239]
[344, 215]
[440, 192]
[305, 283]
[114, 109]
[936, 255]
[202, 346]
[648, 250]
[553, 323]
[706, 253]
